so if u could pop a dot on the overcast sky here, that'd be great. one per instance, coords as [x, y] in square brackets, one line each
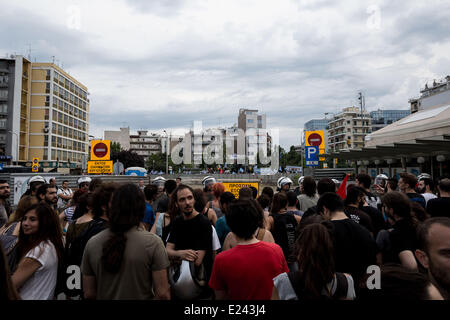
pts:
[163, 64]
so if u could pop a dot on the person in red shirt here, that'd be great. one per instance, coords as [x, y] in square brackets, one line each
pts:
[245, 272]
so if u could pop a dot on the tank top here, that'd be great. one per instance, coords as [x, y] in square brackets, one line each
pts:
[283, 232]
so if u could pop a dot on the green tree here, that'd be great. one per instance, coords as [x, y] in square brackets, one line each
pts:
[116, 147]
[128, 158]
[293, 158]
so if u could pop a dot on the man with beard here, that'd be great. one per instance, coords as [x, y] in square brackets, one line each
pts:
[191, 235]
[47, 193]
[425, 187]
[434, 252]
[5, 209]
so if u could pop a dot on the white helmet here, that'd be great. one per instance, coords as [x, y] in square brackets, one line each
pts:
[336, 181]
[159, 180]
[282, 181]
[84, 180]
[380, 178]
[300, 180]
[208, 180]
[423, 176]
[36, 179]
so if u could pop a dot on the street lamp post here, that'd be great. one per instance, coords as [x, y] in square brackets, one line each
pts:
[17, 151]
[167, 152]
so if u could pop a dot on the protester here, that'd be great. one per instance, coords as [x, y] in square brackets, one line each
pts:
[38, 250]
[293, 204]
[123, 261]
[47, 193]
[218, 189]
[401, 284]
[222, 227]
[407, 185]
[178, 180]
[64, 195]
[141, 185]
[159, 183]
[13, 228]
[246, 271]
[324, 185]
[68, 214]
[5, 209]
[354, 247]
[94, 184]
[316, 278]
[426, 188]
[364, 181]
[283, 225]
[268, 191]
[309, 197]
[402, 239]
[254, 192]
[150, 192]
[191, 236]
[262, 234]
[265, 202]
[356, 197]
[391, 185]
[7, 289]
[163, 201]
[440, 207]
[433, 252]
[200, 206]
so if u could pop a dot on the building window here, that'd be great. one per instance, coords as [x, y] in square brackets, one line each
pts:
[3, 108]
[250, 120]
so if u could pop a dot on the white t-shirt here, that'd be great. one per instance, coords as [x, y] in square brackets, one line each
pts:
[215, 239]
[428, 196]
[41, 285]
[61, 201]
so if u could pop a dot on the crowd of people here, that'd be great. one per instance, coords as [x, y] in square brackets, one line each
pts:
[326, 240]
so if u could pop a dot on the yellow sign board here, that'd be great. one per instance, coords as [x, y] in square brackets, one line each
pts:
[100, 167]
[234, 187]
[100, 150]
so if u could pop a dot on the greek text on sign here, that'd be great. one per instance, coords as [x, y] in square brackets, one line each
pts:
[100, 167]
[315, 138]
[234, 187]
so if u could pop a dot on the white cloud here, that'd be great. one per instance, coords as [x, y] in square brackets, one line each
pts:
[157, 64]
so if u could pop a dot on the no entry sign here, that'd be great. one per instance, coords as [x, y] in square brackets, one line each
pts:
[314, 140]
[100, 149]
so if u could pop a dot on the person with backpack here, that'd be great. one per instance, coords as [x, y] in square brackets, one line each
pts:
[124, 261]
[98, 203]
[283, 225]
[316, 278]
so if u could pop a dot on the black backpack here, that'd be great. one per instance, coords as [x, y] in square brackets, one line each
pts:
[284, 226]
[73, 253]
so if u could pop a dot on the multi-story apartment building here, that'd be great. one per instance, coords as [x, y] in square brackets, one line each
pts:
[438, 93]
[348, 129]
[145, 144]
[122, 136]
[382, 118]
[59, 116]
[254, 126]
[15, 98]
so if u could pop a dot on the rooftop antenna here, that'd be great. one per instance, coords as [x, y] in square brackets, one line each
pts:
[53, 59]
[29, 51]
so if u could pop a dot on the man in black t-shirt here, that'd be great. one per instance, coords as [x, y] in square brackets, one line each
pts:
[191, 235]
[407, 184]
[440, 207]
[354, 247]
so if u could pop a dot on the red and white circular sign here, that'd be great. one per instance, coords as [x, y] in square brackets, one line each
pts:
[100, 150]
[314, 139]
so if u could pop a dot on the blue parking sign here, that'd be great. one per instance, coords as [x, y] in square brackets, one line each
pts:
[312, 156]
